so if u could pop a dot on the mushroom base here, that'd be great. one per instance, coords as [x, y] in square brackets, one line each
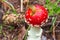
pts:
[34, 33]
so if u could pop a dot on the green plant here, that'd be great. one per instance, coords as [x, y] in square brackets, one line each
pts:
[11, 6]
[53, 23]
[53, 8]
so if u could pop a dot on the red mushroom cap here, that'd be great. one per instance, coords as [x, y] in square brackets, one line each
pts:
[36, 14]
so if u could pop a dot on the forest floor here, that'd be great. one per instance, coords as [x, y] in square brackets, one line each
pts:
[17, 32]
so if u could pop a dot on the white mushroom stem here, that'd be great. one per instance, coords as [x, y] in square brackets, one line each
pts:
[21, 5]
[35, 33]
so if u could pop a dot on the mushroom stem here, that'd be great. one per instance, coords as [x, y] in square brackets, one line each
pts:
[35, 33]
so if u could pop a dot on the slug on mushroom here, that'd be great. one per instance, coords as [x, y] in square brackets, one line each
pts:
[36, 15]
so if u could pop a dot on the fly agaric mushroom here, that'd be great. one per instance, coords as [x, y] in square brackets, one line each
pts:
[36, 15]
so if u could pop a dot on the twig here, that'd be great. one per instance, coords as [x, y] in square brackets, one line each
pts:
[56, 31]
[54, 37]
[50, 23]
[27, 2]
[21, 33]
[21, 5]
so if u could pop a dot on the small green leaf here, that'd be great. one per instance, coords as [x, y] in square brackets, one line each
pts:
[1, 27]
[47, 1]
[25, 37]
[58, 0]
[57, 10]
[11, 27]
